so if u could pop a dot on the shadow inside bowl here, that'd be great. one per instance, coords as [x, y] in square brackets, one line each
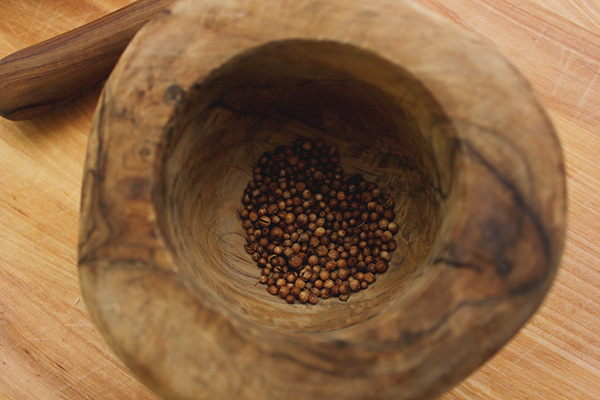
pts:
[388, 128]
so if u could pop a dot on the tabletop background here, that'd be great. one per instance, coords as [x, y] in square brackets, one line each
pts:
[50, 349]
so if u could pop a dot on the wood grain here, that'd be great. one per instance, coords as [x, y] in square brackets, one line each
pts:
[556, 356]
[452, 131]
[49, 349]
[553, 50]
[34, 79]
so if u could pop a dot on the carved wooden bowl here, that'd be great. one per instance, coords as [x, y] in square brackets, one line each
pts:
[431, 113]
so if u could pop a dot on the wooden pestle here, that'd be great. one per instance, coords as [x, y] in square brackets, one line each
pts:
[33, 80]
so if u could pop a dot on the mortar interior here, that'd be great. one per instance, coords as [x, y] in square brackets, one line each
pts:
[388, 128]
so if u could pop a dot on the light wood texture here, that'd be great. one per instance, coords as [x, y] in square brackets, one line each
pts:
[49, 347]
[34, 79]
[452, 131]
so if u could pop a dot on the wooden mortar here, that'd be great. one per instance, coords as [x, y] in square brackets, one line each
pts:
[434, 115]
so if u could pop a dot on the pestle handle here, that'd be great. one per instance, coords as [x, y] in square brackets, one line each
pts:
[36, 78]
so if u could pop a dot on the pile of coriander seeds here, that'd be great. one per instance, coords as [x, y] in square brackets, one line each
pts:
[314, 230]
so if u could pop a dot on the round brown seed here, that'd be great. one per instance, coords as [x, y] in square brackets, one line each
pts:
[381, 266]
[289, 218]
[333, 255]
[295, 261]
[343, 274]
[303, 296]
[284, 291]
[302, 219]
[386, 236]
[330, 265]
[344, 288]
[264, 221]
[312, 191]
[354, 284]
[276, 233]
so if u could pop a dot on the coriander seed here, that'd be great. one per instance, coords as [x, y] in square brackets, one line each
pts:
[314, 229]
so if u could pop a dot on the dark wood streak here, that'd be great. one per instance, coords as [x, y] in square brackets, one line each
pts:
[508, 142]
[517, 197]
[458, 264]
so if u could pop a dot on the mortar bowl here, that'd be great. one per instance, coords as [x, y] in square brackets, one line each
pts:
[432, 114]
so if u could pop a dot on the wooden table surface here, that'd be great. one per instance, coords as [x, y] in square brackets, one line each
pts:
[50, 349]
